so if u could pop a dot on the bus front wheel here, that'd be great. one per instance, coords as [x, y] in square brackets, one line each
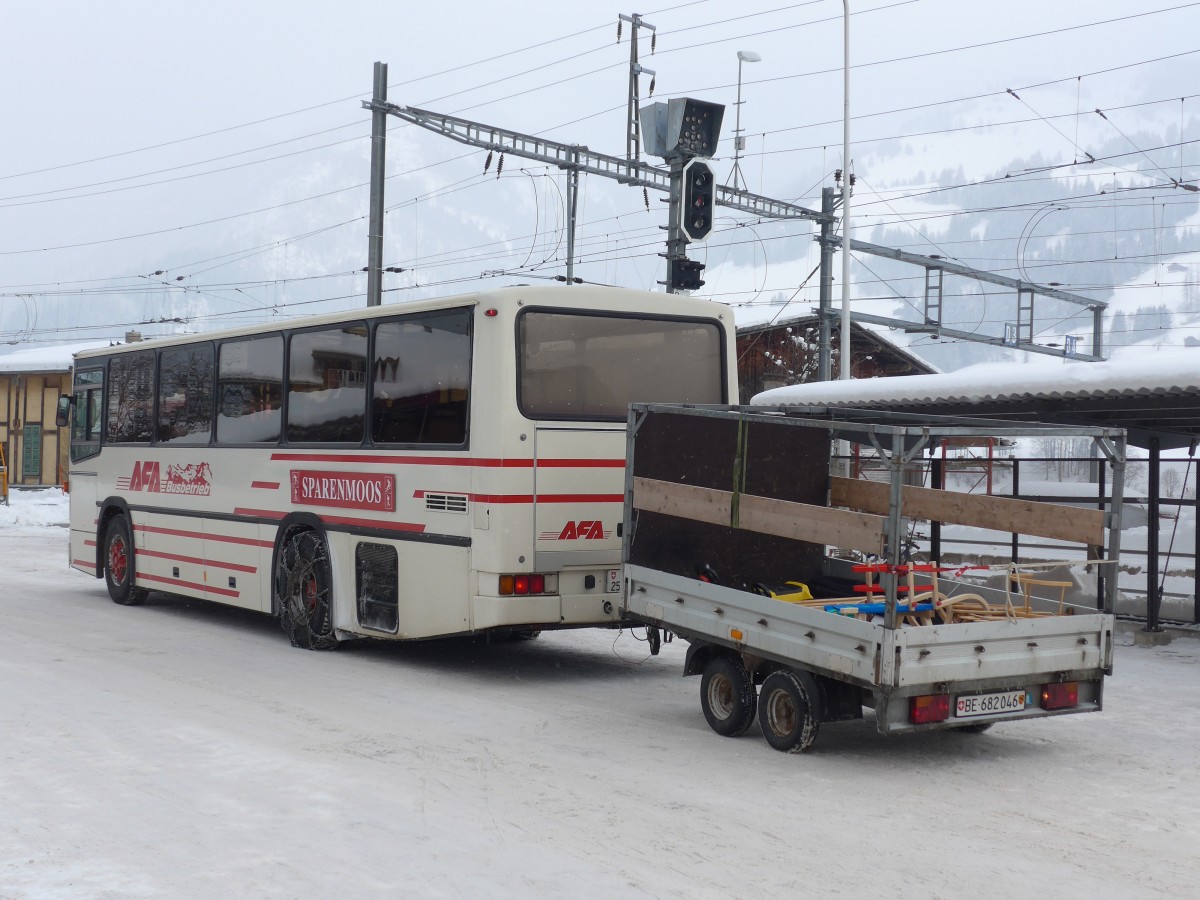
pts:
[119, 566]
[303, 589]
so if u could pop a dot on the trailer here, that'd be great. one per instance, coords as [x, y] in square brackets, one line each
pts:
[793, 586]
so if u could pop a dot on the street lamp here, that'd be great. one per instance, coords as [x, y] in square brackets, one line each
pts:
[739, 142]
[844, 368]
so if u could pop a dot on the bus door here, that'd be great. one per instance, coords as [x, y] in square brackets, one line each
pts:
[579, 485]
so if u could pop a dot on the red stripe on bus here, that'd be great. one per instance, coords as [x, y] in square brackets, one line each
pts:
[581, 463]
[88, 543]
[84, 563]
[197, 535]
[580, 498]
[379, 459]
[469, 462]
[548, 498]
[205, 588]
[178, 557]
[383, 525]
[262, 513]
[265, 485]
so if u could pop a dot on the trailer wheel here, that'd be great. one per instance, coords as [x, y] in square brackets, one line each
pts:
[120, 564]
[787, 710]
[303, 589]
[727, 696]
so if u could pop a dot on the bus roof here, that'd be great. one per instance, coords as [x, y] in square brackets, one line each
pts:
[560, 296]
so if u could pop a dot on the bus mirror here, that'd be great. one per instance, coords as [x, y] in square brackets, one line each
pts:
[63, 418]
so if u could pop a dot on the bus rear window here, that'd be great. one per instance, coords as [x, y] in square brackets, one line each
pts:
[580, 366]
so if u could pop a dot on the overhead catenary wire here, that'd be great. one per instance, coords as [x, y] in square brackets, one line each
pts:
[537, 230]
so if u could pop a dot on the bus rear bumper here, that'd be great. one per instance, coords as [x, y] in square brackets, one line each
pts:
[579, 610]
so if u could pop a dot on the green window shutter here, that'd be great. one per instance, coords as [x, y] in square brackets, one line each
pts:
[31, 453]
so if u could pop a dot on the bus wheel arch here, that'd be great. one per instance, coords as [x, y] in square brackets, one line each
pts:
[302, 584]
[118, 557]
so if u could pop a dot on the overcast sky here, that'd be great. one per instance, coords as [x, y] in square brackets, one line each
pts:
[114, 113]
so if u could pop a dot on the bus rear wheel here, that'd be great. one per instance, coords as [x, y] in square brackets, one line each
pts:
[119, 564]
[303, 591]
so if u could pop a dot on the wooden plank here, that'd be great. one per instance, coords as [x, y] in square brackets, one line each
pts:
[765, 515]
[816, 524]
[1048, 520]
[687, 501]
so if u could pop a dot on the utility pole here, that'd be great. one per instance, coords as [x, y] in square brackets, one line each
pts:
[825, 295]
[676, 242]
[378, 170]
[847, 190]
[633, 133]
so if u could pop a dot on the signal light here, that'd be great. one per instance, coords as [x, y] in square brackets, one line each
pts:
[1063, 695]
[929, 708]
[699, 200]
[684, 274]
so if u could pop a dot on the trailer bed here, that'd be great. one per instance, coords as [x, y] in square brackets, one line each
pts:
[721, 502]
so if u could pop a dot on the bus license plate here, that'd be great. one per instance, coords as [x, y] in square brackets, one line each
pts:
[614, 581]
[989, 704]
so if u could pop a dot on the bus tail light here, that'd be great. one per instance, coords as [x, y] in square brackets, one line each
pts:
[929, 708]
[1063, 695]
[524, 585]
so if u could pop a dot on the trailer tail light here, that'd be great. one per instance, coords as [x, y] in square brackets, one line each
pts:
[930, 708]
[524, 585]
[1063, 695]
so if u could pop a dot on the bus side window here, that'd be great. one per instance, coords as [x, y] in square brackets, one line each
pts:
[131, 398]
[185, 393]
[420, 379]
[250, 390]
[327, 385]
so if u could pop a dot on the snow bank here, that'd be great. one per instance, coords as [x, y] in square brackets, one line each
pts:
[46, 508]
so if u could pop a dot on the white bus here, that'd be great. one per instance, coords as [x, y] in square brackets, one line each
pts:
[435, 468]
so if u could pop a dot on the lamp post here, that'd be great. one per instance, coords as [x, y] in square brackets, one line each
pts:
[739, 142]
[844, 368]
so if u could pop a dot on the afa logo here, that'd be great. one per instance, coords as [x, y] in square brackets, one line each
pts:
[194, 478]
[583, 530]
[145, 477]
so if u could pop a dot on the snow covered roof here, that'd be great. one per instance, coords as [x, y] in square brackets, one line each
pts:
[57, 358]
[873, 336]
[1151, 394]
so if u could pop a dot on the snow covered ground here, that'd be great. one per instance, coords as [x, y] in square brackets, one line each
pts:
[186, 750]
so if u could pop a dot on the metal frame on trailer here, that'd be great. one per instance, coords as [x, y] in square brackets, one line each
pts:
[728, 507]
[899, 439]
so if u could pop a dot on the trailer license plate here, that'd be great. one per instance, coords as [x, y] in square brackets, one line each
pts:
[614, 581]
[989, 704]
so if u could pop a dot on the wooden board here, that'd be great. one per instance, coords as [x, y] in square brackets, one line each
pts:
[1048, 520]
[765, 515]
[728, 453]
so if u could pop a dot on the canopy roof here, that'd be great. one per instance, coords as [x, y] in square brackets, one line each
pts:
[1149, 394]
